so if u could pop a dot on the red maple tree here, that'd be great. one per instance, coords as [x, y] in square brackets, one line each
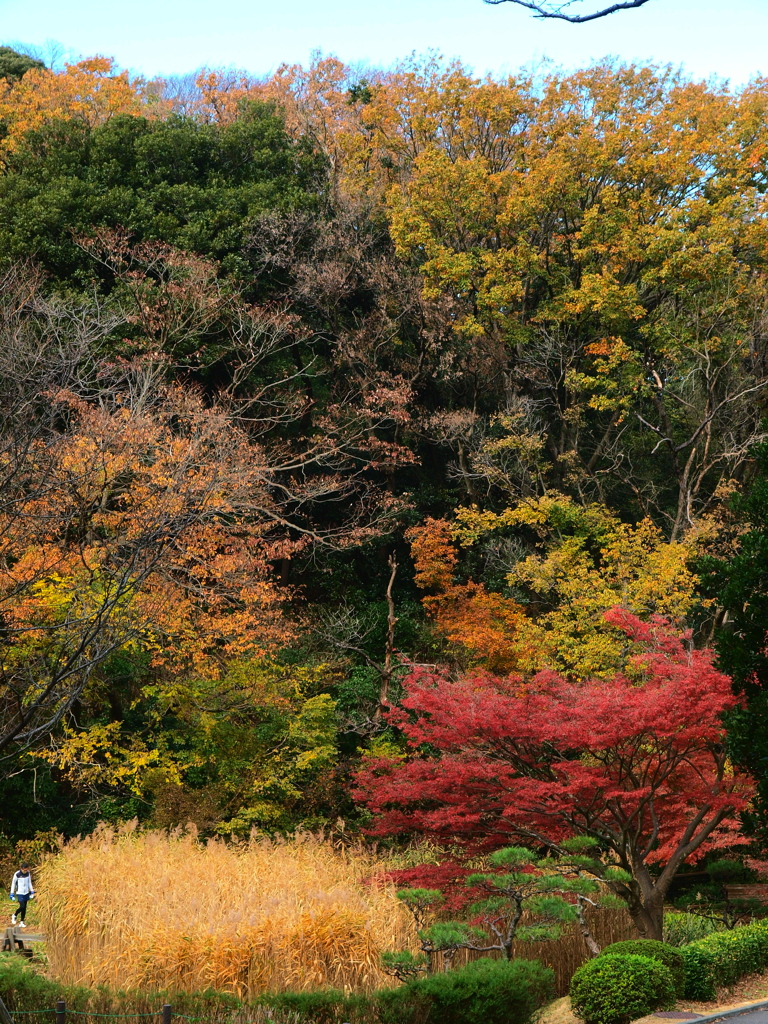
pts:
[635, 766]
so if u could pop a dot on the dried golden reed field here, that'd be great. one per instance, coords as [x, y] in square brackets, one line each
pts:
[148, 910]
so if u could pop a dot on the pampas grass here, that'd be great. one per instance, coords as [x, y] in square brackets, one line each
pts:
[152, 911]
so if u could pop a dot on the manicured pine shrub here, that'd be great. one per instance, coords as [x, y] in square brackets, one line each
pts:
[618, 988]
[670, 957]
[326, 1006]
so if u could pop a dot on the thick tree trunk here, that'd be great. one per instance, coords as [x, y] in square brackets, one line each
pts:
[648, 918]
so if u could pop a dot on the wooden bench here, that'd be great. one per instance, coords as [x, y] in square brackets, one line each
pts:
[19, 941]
[13, 941]
[757, 891]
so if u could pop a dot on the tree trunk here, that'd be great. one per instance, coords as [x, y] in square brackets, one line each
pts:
[592, 946]
[386, 672]
[648, 918]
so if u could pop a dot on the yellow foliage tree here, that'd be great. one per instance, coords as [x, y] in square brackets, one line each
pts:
[588, 562]
[259, 741]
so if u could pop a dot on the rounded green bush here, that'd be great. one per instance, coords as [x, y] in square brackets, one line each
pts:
[618, 988]
[484, 992]
[668, 955]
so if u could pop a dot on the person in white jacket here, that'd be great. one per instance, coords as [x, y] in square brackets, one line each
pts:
[23, 890]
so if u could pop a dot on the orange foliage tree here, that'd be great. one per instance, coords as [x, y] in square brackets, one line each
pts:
[143, 524]
[481, 622]
[91, 90]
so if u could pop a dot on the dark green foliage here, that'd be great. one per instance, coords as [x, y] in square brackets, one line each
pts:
[404, 965]
[712, 901]
[360, 92]
[739, 585]
[722, 958]
[483, 992]
[324, 1007]
[14, 65]
[616, 989]
[196, 186]
[33, 801]
[22, 988]
[671, 958]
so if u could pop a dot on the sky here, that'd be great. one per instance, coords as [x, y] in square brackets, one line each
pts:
[723, 38]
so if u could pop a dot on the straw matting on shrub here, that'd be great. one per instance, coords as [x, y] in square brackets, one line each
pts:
[153, 911]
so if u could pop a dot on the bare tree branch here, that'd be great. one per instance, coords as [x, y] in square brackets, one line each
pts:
[544, 10]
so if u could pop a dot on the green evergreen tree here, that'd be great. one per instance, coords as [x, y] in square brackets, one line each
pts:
[196, 186]
[14, 65]
[739, 585]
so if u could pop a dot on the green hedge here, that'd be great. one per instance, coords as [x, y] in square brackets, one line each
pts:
[23, 989]
[484, 992]
[670, 957]
[722, 958]
[616, 989]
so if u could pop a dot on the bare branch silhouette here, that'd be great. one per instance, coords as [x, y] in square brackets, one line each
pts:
[559, 11]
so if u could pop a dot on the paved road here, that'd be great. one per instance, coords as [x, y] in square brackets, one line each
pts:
[749, 1017]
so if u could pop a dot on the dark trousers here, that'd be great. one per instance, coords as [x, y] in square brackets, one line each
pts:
[21, 913]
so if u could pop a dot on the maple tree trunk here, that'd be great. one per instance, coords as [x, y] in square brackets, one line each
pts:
[648, 917]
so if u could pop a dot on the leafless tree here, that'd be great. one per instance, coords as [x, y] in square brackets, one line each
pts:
[347, 632]
[180, 92]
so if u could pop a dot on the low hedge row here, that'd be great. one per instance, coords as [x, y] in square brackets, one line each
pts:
[483, 992]
[722, 958]
[615, 979]
[631, 977]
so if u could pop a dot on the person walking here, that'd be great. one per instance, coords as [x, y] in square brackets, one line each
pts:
[23, 890]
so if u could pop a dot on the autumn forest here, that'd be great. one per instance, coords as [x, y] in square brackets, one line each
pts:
[385, 456]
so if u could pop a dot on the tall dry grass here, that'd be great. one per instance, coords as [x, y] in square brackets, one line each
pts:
[151, 911]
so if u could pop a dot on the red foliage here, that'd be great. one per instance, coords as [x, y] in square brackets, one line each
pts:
[448, 876]
[637, 762]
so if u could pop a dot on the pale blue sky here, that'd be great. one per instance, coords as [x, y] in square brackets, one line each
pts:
[727, 38]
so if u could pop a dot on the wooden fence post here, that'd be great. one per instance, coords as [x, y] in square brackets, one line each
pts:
[5, 1017]
[61, 1012]
[167, 1013]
